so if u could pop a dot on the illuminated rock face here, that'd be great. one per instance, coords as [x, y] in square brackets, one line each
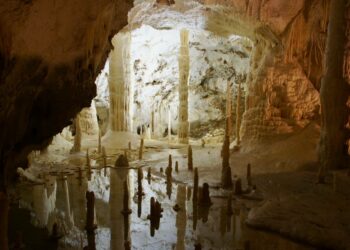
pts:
[50, 55]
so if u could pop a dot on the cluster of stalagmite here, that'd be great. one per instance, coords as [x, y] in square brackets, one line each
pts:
[119, 84]
[184, 73]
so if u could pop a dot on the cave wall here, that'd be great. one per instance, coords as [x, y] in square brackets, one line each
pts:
[50, 55]
[285, 77]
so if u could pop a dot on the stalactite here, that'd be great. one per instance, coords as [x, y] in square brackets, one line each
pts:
[294, 43]
[190, 158]
[184, 71]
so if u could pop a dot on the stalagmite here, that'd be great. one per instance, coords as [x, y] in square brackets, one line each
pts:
[225, 160]
[169, 125]
[139, 181]
[184, 72]
[249, 176]
[88, 164]
[77, 136]
[122, 161]
[176, 166]
[238, 114]
[99, 149]
[170, 161]
[227, 178]
[104, 159]
[228, 109]
[141, 149]
[195, 186]
[335, 92]
[90, 211]
[190, 158]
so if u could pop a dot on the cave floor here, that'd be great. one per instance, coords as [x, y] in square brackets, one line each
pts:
[287, 200]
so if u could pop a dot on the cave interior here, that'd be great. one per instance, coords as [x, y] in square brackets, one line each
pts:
[174, 124]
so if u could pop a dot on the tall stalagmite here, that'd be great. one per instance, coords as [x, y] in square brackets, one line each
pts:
[184, 72]
[335, 92]
[119, 72]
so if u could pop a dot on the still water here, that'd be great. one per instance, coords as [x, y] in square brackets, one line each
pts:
[53, 215]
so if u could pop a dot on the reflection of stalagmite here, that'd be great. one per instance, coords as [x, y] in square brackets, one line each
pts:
[184, 72]
[90, 211]
[181, 217]
[43, 204]
[204, 196]
[67, 204]
[119, 201]
[149, 175]
[77, 136]
[195, 186]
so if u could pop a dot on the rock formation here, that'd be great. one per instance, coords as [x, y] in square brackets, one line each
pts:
[335, 90]
[48, 74]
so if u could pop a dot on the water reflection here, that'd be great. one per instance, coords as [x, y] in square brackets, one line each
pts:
[60, 206]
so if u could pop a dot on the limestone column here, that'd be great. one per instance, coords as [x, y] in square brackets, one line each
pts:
[184, 72]
[334, 91]
[119, 72]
